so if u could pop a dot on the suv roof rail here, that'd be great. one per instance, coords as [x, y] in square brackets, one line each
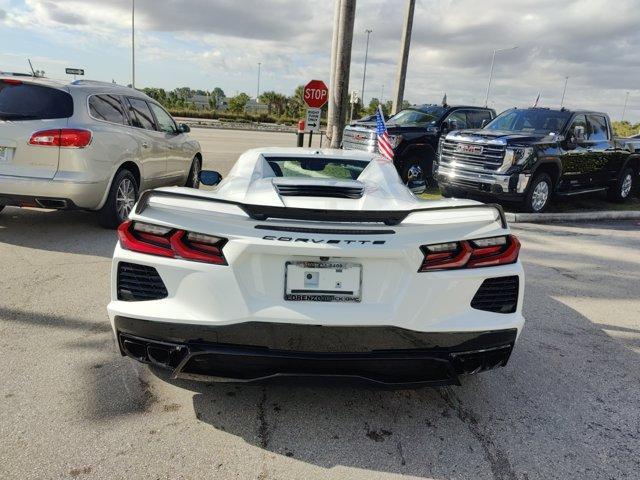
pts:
[96, 82]
[18, 74]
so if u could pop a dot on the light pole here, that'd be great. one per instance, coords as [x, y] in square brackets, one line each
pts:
[493, 59]
[133, 44]
[258, 92]
[566, 80]
[624, 110]
[366, 54]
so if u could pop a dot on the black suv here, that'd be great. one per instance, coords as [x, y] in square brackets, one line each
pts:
[414, 134]
[529, 155]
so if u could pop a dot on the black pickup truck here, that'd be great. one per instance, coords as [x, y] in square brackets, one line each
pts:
[529, 155]
[414, 133]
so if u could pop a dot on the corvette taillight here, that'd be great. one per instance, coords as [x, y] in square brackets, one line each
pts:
[482, 252]
[169, 242]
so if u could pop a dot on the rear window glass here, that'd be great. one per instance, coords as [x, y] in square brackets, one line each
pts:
[317, 168]
[107, 108]
[25, 101]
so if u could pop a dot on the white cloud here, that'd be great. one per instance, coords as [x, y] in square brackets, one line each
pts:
[203, 43]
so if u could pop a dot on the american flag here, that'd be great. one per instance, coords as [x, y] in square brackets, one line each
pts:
[384, 144]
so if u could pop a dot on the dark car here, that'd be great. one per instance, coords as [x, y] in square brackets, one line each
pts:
[414, 134]
[529, 155]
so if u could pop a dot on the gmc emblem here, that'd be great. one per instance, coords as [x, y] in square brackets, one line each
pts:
[466, 148]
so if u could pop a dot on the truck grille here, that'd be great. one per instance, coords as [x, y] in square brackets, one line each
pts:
[139, 282]
[487, 156]
[359, 139]
[499, 295]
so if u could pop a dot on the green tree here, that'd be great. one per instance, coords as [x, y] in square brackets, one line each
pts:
[216, 97]
[269, 98]
[625, 129]
[295, 103]
[238, 103]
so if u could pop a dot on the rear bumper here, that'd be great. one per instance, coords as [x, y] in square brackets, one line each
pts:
[52, 193]
[256, 351]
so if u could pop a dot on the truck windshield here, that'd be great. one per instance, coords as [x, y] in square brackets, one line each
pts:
[412, 116]
[531, 120]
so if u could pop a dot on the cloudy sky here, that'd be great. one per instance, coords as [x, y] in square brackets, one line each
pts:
[209, 43]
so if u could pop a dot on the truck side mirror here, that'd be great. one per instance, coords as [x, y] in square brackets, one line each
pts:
[444, 127]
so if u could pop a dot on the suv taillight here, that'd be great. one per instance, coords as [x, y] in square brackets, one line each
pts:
[169, 242]
[482, 252]
[61, 137]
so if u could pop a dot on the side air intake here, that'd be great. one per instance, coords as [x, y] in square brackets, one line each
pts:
[499, 295]
[139, 282]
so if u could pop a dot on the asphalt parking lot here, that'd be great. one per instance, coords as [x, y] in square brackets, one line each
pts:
[566, 406]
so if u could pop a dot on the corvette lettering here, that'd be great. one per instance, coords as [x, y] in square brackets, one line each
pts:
[322, 240]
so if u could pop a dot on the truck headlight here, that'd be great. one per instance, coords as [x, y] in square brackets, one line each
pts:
[517, 155]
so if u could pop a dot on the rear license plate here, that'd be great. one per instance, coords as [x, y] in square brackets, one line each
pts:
[323, 281]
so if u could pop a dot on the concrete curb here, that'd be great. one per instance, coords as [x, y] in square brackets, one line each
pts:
[573, 217]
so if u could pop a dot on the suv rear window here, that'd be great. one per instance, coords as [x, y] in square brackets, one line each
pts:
[25, 101]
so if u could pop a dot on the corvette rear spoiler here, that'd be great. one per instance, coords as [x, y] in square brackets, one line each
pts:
[263, 212]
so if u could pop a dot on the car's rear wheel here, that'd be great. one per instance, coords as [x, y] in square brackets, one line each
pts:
[538, 196]
[621, 191]
[417, 168]
[193, 180]
[122, 197]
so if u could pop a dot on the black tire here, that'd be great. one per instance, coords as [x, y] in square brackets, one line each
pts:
[193, 180]
[448, 192]
[113, 213]
[621, 191]
[538, 196]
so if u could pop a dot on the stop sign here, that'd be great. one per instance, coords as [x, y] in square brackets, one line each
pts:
[316, 94]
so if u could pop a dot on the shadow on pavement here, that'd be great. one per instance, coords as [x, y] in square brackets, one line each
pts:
[566, 401]
[74, 231]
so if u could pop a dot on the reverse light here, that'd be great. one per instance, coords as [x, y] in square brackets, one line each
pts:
[168, 242]
[61, 137]
[482, 252]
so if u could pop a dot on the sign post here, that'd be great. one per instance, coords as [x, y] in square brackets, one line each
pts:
[315, 96]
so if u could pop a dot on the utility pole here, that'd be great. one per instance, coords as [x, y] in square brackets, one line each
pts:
[133, 43]
[493, 60]
[332, 72]
[258, 91]
[624, 110]
[382, 94]
[404, 56]
[566, 80]
[366, 54]
[339, 96]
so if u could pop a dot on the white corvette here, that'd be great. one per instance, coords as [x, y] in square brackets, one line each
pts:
[315, 262]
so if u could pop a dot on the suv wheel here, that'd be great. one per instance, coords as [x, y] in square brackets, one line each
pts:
[539, 194]
[193, 180]
[122, 197]
[621, 191]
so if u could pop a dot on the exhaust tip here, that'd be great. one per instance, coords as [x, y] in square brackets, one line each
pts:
[55, 203]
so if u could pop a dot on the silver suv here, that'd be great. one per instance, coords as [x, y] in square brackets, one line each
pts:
[88, 145]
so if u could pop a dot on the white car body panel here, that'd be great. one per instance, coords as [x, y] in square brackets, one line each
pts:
[251, 287]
